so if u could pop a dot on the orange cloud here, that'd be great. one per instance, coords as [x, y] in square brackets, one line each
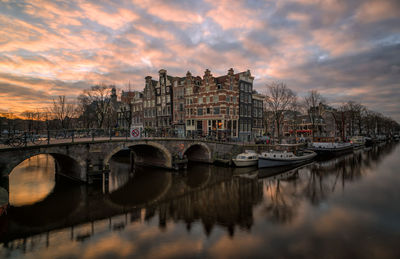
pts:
[376, 10]
[233, 15]
[168, 12]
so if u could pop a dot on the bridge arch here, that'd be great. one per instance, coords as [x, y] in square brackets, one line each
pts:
[199, 152]
[146, 153]
[66, 165]
[136, 192]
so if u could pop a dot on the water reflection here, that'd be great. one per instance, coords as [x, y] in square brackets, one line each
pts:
[341, 207]
[32, 180]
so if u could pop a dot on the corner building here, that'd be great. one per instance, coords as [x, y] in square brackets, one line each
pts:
[208, 106]
[212, 105]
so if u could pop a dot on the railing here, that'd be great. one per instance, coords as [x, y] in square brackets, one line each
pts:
[17, 139]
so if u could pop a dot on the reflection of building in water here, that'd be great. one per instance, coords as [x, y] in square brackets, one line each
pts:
[228, 203]
[316, 182]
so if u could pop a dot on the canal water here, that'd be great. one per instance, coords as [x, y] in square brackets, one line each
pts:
[343, 207]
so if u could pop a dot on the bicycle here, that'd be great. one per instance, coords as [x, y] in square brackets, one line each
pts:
[34, 139]
[13, 141]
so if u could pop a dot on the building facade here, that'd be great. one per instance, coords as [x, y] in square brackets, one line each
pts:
[212, 105]
[149, 104]
[164, 102]
[258, 120]
[217, 107]
[245, 105]
[178, 109]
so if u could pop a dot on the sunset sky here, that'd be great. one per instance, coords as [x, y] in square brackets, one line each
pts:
[346, 49]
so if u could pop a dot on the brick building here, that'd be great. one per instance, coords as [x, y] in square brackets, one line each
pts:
[212, 105]
[221, 107]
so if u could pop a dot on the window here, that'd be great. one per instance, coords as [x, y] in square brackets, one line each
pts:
[208, 110]
[200, 100]
[234, 99]
[216, 98]
[228, 98]
[188, 122]
[241, 87]
[199, 111]
[158, 99]
[181, 107]
[227, 110]
[219, 86]
[216, 110]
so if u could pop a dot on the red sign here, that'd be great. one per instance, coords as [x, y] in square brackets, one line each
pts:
[135, 133]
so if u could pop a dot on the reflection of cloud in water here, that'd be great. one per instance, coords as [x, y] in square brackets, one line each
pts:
[32, 180]
[181, 247]
[111, 246]
[237, 247]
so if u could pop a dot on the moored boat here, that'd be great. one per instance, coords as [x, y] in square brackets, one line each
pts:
[248, 158]
[328, 146]
[284, 158]
[357, 141]
[331, 148]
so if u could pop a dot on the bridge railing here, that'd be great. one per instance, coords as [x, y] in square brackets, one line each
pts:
[17, 139]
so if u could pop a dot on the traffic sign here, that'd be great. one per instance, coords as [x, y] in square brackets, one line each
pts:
[135, 133]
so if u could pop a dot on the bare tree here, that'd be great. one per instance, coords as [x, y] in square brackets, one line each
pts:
[341, 116]
[29, 116]
[97, 99]
[312, 103]
[280, 99]
[62, 111]
[86, 112]
[354, 114]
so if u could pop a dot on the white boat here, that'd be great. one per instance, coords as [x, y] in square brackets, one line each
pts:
[331, 147]
[283, 158]
[248, 158]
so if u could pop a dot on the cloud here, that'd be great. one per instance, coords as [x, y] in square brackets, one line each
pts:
[340, 47]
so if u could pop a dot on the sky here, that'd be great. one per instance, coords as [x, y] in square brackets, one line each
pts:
[345, 49]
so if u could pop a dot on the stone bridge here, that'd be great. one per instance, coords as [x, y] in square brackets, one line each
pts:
[75, 160]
